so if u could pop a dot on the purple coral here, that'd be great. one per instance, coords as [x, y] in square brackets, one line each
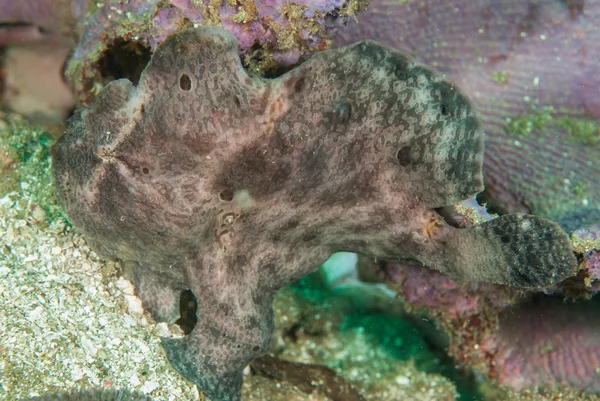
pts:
[218, 188]
[441, 296]
[549, 342]
[593, 264]
[271, 33]
[518, 339]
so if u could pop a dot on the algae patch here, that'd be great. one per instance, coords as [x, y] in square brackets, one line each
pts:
[524, 125]
[580, 130]
[25, 168]
[584, 131]
[500, 77]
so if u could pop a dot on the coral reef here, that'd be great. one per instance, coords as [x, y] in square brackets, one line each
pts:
[32, 59]
[531, 69]
[50, 15]
[217, 188]
[518, 338]
[546, 341]
[112, 35]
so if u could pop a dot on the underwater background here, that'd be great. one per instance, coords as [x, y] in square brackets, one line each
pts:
[360, 327]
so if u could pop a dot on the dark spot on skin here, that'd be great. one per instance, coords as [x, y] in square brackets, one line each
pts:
[145, 170]
[299, 85]
[226, 195]
[444, 109]
[290, 225]
[187, 312]
[185, 83]
[339, 115]
[401, 72]
[403, 156]
[505, 239]
[182, 48]
[253, 169]
[309, 236]
[236, 100]
[256, 348]
[142, 110]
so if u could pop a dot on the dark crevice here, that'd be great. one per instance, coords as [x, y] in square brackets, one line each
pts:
[124, 59]
[188, 307]
[486, 199]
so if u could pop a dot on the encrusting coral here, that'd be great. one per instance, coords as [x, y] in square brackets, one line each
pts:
[216, 188]
[112, 38]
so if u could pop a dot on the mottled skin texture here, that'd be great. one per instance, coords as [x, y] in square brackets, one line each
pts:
[205, 179]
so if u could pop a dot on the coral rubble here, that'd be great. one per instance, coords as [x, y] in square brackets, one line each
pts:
[216, 188]
[93, 395]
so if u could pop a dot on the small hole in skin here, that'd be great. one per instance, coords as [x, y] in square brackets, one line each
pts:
[403, 156]
[256, 348]
[505, 239]
[185, 83]
[237, 101]
[226, 195]
[145, 170]
[299, 85]
[444, 109]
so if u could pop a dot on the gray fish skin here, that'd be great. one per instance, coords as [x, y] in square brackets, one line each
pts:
[205, 179]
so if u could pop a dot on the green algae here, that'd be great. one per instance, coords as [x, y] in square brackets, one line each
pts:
[577, 130]
[584, 131]
[389, 335]
[25, 168]
[500, 77]
[525, 125]
[579, 190]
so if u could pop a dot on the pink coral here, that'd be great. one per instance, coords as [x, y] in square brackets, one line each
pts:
[440, 295]
[548, 342]
[519, 339]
